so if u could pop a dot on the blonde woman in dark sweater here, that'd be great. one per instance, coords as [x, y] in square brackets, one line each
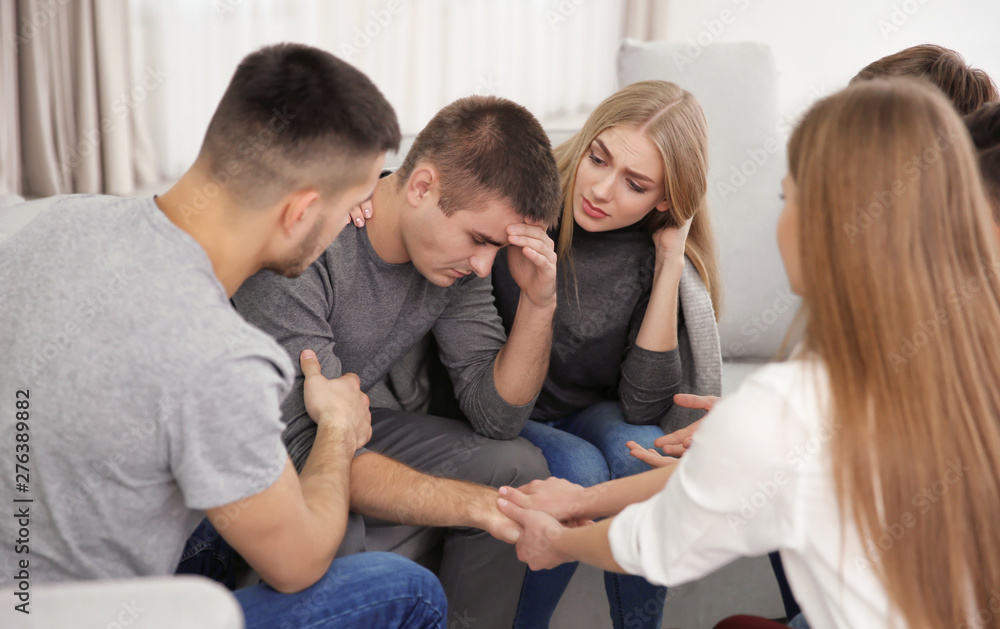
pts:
[635, 323]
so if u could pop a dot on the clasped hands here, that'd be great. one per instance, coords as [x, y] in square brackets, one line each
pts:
[545, 509]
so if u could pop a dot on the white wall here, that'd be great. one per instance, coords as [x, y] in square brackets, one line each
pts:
[819, 46]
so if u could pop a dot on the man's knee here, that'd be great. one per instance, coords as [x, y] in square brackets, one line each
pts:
[515, 462]
[390, 579]
[417, 581]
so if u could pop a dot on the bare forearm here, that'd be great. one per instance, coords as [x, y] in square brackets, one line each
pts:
[658, 332]
[590, 545]
[388, 489]
[609, 498]
[325, 482]
[521, 364]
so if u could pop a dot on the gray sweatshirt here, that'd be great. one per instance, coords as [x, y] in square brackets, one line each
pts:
[361, 315]
[594, 355]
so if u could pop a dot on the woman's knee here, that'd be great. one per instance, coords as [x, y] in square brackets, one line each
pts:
[613, 445]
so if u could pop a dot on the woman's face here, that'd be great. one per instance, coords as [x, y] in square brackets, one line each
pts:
[618, 181]
[788, 234]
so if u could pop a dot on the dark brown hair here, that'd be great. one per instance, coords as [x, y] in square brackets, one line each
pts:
[295, 116]
[984, 126]
[967, 87]
[486, 145]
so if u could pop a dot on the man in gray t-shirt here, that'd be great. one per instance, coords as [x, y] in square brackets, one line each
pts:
[480, 176]
[136, 400]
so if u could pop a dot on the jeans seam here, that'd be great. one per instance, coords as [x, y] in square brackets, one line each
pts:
[618, 601]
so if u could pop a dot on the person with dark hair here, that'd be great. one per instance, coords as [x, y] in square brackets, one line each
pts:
[968, 88]
[984, 127]
[151, 402]
[479, 177]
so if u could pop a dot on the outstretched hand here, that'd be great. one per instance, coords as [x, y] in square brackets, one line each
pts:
[676, 443]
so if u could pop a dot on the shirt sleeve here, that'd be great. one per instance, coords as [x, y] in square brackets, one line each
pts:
[649, 379]
[470, 334]
[731, 495]
[225, 444]
[296, 312]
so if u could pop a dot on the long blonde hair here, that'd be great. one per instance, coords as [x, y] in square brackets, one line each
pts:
[674, 121]
[899, 270]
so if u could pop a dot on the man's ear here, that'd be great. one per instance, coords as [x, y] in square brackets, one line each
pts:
[296, 209]
[424, 180]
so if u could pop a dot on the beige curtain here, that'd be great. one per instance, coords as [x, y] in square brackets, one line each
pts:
[72, 109]
[645, 20]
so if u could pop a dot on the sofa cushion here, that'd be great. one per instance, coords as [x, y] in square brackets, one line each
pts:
[736, 84]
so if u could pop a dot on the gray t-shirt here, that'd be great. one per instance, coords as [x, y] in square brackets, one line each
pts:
[149, 398]
[361, 314]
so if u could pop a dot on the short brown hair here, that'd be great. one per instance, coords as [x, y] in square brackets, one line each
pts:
[967, 87]
[984, 126]
[485, 145]
[295, 116]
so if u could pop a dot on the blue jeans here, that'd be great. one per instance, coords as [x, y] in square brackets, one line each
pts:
[364, 590]
[588, 448]
[799, 622]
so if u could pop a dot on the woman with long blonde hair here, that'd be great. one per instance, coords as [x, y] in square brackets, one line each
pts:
[871, 458]
[637, 289]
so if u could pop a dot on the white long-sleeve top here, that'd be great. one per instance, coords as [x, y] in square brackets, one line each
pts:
[758, 478]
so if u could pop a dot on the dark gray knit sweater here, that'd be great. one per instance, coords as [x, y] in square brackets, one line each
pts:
[594, 355]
